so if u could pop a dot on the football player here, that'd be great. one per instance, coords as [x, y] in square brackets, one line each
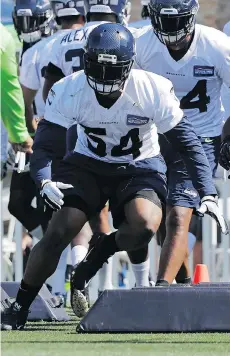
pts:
[68, 15]
[196, 59]
[117, 158]
[66, 58]
[36, 59]
[32, 21]
[67, 54]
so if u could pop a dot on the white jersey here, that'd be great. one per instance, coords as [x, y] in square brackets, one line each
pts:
[125, 132]
[197, 77]
[225, 91]
[33, 66]
[67, 53]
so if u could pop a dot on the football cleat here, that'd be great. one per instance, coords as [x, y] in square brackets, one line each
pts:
[100, 249]
[13, 317]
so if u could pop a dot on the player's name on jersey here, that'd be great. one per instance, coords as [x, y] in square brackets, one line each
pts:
[78, 35]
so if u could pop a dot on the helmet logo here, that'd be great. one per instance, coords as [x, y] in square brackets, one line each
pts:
[24, 12]
[169, 12]
[108, 58]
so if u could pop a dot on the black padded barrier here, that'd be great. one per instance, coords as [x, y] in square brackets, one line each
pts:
[42, 308]
[160, 309]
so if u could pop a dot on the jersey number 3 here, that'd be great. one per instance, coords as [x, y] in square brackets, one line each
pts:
[74, 54]
[117, 151]
[199, 90]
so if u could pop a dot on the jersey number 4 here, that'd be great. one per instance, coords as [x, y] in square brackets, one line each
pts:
[117, 151]
[199, 90]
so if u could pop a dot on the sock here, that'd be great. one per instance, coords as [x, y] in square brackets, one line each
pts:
[26, 295]
[141, 273]
[78, 253]
[162, 283]
[105, 275]
[58, 278]
[191, 241]
[187, 280]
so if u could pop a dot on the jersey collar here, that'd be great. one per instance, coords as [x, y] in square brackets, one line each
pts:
[177, 65]
[116, 106]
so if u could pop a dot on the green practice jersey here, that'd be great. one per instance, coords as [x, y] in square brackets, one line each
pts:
[12, 103]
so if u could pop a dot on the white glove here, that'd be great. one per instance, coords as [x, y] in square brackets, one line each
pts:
[51, 194]
[209, 205]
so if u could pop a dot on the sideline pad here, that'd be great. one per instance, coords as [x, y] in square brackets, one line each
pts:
[42, 308]
[203, 308]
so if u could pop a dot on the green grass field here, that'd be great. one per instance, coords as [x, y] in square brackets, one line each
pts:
[56, 339]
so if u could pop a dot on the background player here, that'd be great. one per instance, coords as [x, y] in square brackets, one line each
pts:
[32, 71]
[12, 107]
[196, 59]
[32, 20]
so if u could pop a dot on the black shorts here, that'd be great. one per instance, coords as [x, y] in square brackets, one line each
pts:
[96, 182]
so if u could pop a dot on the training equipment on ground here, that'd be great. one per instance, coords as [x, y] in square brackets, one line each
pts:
[201, 274]
[43, 307]
[160, 309]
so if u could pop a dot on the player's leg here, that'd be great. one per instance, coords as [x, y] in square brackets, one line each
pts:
[143, 218]
[137, 215]
[140, 265]
[100, 224]
[175, 247]
[211, 146]
[181, 200]
[80, 245]
[64, 225]
[22, 192]
[43, 261]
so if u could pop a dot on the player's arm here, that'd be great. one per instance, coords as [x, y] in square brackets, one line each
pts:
[50, 138]
[12, 107]
[49, 145]
[224, 159]
[53, 74]
[53, 71]
[30, 83]
[29, 96]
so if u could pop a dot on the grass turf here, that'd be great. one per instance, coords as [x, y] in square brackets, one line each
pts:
[61, 339]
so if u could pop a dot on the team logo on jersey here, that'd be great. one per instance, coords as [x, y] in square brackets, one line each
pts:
[203, 71]
[137, 120]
